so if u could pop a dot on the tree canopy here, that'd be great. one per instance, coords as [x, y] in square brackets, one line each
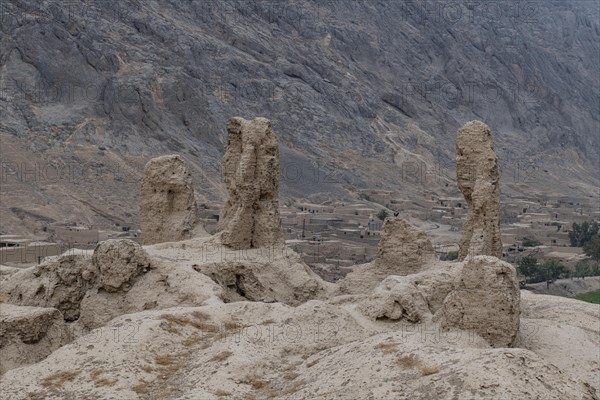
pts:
[582, 233]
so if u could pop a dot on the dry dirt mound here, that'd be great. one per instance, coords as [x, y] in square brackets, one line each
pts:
[29, 334]
[258, 350]
[267, 274]
[403, 250]
[119, 278]
[565, 332]
[416, 298]
[399, 366]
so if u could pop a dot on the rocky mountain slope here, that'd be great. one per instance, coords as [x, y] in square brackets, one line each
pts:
[362, 94]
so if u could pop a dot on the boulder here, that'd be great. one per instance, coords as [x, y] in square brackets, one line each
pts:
[478, 179]
[250, 218]
[167, 205]
[486, 302]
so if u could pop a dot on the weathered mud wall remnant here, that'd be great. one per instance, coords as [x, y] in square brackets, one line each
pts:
[478, 179]
[486, 302]
[250, 218]
[403, 248]
[167, 205]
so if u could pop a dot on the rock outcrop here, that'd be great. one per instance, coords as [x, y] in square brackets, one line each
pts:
[29, 334]
[167, 206]
[487, 301]
[117, 262]
[403, 249]
[59, 284]
[250, 218]
[478, 179]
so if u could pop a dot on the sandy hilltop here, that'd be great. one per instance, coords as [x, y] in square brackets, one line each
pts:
[239, 315]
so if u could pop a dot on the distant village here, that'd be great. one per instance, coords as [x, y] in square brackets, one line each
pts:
[334, 236]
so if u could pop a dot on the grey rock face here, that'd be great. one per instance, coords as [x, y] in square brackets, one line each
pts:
[163, 77]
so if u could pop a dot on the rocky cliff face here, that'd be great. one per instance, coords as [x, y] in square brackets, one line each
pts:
[359, 92]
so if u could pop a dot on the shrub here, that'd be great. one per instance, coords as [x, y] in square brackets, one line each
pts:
[58, 379]
[222, 356]
[587, 267]
[527, 242]
[429, 370]
[382, 214]
[409, 361]
[451, 255]
[387, 348]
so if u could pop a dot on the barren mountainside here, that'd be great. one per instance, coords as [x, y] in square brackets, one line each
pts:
[363, 94]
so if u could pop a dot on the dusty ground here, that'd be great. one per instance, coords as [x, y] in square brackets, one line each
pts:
[325, 348]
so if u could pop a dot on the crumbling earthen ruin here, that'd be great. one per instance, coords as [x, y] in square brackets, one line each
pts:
[250, 218]
[167, 205]
[65, 282]
[478, 179]
[487, 301]
[29, 334]
[403, 249]
[168, 313]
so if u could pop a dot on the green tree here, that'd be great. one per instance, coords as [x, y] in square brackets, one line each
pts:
[583, 268]
[382, 214]
[529, 267]
[592, 248]
[553, 269]
[582, 233]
